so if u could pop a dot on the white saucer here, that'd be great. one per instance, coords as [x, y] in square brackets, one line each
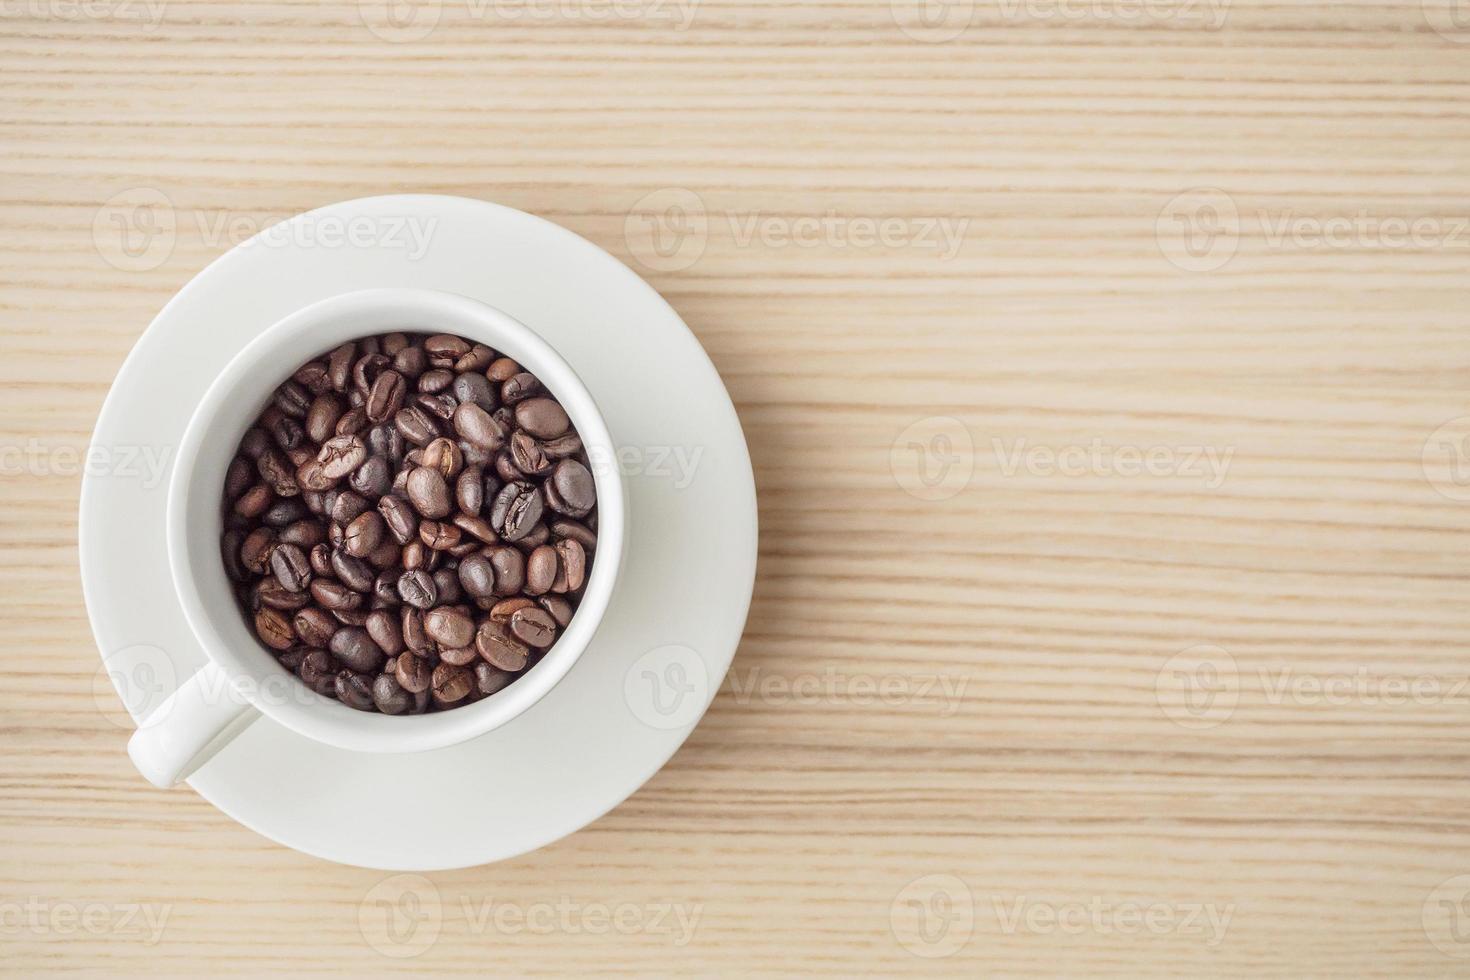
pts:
[667, 638]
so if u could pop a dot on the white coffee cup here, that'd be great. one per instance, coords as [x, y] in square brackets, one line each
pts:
[241, 680]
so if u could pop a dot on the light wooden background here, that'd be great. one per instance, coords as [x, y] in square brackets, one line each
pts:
[1057, 779]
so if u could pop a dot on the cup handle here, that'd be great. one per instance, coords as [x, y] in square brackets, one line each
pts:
[186, 731]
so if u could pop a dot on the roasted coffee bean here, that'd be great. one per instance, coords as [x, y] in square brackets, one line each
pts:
[416, 425]
[506, 469]
[353, 646]
[314, 626]
[477, 576]
[400, 519]
[348, 506]
[477, 426]
[446, 581]
[334, 595]
[255, 550]
[573, 565]
[339, 365]
[287, 433]
[385, 588]
[502, 369]
[283, 512]
[445, 456]
[476, 527]
[564, 445]
[321, 418]
[238, 477]
[560, 609]
[505, 608]
[354, 573]
[574, 485]
[385, 555]
[340, 455]
[416, 556]
[413, 673]
[475, 389]
[386, 440]
[292, 399]
[313, 377]
[385, 631]
[541, 568]
[500, 649]
[386, 396]
[490, 679]
[428, 492]
[478, 359]
[318, 672]
[230, 552]
[449, 627]
[269, 592]
[278, 473]
[418, 590]
[306, 534]
[533, 626]
[445, 347]
[519, 388]
[434, 381]
[312, 476]
[451, 683]
[469, 490]
[321, 560]
[290, 566]
[529, 456]
[274, 629]
[364, 534]
[353, 421]
[411, 362]
[389, 695]
[355, 690]
[567, 528]
[412, 622]
[440, 406]
[373, 478]
[543, 418]
[459, 656]
[366, 371]
[438, 535]
[510, 570]
[517, 508]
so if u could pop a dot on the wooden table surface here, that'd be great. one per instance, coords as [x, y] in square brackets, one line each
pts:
[1106, 370]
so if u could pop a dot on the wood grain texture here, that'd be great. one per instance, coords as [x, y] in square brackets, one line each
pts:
[1022, 756]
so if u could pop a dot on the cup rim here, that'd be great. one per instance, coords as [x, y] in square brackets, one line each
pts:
[198, 572]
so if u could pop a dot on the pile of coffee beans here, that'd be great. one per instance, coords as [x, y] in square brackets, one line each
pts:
[409, 523]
